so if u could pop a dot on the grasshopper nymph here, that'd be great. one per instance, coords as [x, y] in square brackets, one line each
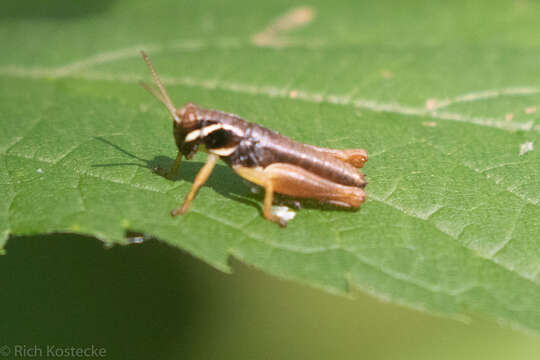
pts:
[262, 156]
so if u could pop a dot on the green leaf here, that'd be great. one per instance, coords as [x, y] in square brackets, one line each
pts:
[442, 95]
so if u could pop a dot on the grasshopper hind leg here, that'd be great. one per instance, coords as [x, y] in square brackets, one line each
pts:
[297, 182]
[355, 157]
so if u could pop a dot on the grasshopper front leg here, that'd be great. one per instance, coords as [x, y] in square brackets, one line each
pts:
[172, 172]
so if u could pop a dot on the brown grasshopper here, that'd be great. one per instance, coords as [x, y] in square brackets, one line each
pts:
[262, 156]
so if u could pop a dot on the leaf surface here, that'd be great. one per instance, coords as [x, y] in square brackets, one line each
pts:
[445, 107]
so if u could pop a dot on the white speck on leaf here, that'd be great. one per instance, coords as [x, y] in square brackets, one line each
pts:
[283, 212]
[526, 147]
[39, 171]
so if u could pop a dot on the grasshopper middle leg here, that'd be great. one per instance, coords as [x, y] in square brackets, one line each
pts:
[200, 179]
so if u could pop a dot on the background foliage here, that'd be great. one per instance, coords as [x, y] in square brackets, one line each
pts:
[443, 96]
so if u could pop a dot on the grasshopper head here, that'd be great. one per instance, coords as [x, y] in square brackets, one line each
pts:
[189, 121]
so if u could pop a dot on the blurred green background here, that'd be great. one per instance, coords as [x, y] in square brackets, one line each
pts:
[152, 301]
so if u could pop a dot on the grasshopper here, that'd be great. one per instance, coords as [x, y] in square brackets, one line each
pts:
[262, 156]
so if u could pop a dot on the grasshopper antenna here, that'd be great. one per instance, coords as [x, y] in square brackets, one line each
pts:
[162, 95]
[153, 92]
